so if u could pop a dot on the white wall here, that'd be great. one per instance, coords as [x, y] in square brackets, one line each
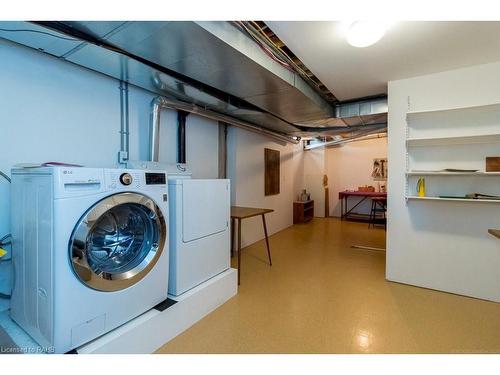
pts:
[441, 245]
[246, 171]
[314, 170]
[350, 166]
[51, 110]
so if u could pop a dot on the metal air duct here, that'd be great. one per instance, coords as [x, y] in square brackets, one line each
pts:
[160, 103]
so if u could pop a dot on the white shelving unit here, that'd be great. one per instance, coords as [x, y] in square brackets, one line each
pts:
[474, 110]
[456, 174]
[455, 140]
[411, 197]
[452, 138]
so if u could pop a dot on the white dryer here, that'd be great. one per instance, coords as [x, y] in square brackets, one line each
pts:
[90, 250]
[200, 237]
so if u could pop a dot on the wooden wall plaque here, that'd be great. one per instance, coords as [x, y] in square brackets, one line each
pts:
[493, 164]
[272, 171]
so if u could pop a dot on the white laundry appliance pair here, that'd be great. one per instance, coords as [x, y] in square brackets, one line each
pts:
[90, 250]
[199, 226]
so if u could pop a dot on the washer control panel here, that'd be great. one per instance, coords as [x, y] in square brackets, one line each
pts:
[156, 178]
[126, 179]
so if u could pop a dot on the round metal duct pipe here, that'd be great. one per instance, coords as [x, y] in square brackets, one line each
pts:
[161, 102]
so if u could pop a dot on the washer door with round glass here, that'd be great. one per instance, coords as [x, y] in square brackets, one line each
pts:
[117, 241]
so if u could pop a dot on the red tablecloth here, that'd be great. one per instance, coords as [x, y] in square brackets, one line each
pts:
[346, 193]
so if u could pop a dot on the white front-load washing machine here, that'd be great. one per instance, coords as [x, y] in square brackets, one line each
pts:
[90, 250]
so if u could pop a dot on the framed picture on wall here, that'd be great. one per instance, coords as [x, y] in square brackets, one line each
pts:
[272, 171]
[379, 172]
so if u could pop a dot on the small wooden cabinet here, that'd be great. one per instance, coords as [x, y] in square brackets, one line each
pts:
[303, 211]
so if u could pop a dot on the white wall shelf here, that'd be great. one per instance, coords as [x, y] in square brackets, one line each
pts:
[411, 197]
[494, 107]
[446, 173]
[455, 140]
[458, 138]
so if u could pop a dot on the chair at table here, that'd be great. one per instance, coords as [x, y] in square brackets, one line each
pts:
[378, 212]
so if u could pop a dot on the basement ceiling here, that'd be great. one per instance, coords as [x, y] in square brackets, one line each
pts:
[218, 66]
[211, 64]
[408, 49]
[220, 56]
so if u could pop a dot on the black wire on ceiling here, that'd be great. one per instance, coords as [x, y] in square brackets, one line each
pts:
[4, 238]
[40, 32]
[255, 32]
[5, 176]
[242, 27]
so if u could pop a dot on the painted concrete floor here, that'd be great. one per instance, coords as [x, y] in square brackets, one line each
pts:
[322, 296]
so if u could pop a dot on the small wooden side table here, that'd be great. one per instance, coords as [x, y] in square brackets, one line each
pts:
[240, 213]
[303, 211]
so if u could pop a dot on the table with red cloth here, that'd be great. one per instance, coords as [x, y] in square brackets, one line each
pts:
[346, 212]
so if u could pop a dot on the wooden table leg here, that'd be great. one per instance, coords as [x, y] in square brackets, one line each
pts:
[267, 239]
[239, 250]
[231, 250]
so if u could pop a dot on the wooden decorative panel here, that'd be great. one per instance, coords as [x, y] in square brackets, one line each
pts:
[493, 164]
[272, 171]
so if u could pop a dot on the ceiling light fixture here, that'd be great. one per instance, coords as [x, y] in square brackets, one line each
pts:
[365, 33]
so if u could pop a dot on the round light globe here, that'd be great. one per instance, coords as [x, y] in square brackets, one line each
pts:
[365, 33]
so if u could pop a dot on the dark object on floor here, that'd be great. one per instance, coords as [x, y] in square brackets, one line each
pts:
[7, 346]
[72, 351]
[162, 306]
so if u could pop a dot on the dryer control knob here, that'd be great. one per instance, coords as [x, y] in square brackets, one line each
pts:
[126, 179]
